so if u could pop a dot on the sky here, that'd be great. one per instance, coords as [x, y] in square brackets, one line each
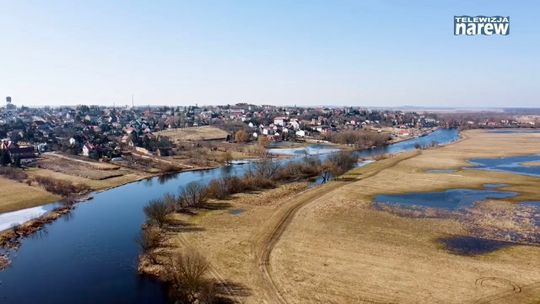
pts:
[304, 53]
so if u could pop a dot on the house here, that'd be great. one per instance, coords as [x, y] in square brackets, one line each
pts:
[87, 149]
[300, 133]
[280, 121]
[17, 152]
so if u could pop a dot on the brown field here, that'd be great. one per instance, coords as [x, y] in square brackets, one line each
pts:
[328, 245]
[194, 134]
[82, 168]
[15, 195]
[98, 176]
[94, 184]
[79, 170]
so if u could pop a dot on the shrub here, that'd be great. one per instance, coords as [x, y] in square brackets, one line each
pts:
[266, 168]
[188, 278]
[149, 239]
[241, 136]
[337, 164]
[61, 187]
[218, 188]
[156, 211]
[309, 167]
[13, 173]
[193, 195]
[251, 182]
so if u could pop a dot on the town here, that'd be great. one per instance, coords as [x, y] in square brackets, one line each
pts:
[117, 134]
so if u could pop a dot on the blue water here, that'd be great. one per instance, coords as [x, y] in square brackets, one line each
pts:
[450, 199]
[91, 255]
[441, 137]
[468, 245]
[512, 164]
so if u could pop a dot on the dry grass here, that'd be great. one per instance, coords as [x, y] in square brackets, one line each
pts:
[194, 134]
[340, 250]
[81, 168]
[337, 249]
[15, 195]
[94, 184]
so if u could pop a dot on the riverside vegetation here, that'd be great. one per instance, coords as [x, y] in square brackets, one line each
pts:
[186, 271]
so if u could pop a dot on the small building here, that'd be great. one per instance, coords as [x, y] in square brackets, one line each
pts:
[87, 149]
[17, 152]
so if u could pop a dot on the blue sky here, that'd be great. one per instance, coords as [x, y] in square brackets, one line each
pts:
[364, 53]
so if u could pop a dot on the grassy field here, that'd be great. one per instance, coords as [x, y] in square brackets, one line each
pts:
[94, 184]
[340, 250]
[98, 176]
[328, 245]
[81, 168]
[15, 195]
[194, 134]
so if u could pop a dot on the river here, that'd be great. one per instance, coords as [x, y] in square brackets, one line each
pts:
[90, 255]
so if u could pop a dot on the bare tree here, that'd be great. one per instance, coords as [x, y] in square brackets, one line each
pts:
[188, 275]
[156, 211]
[266, 168]
[193, 195]
[241, 136]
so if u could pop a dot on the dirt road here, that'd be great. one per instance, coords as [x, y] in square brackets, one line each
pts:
[270, 234]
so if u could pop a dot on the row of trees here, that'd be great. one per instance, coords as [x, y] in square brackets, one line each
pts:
[360, 139]
[264, 174]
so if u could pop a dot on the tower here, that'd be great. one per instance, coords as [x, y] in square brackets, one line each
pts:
[9, 105]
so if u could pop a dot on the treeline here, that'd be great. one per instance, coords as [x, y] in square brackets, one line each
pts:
[360, 139]
[265, 174]
[61, 187]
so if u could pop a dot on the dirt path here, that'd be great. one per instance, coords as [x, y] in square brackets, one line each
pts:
[270, 234]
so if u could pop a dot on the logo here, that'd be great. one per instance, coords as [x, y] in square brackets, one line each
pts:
[481, 25]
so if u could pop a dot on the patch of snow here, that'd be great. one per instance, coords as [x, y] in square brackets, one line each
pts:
[10, 219]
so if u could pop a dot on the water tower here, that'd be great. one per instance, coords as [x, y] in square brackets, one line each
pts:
[9, 105]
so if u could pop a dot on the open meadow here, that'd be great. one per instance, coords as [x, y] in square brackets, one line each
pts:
[16, 195]
[194, 134]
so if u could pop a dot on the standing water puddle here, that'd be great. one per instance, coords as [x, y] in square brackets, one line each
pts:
[517, 224]
[468, 245]
[512, 164]
[450, 199]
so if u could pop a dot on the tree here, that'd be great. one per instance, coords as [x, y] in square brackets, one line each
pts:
[193, 195]
[5, 159]
[241, 136]
[189, 282]
[156, 211]
[266, 168]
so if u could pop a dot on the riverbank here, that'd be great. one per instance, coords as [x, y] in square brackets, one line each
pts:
[234, 234]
